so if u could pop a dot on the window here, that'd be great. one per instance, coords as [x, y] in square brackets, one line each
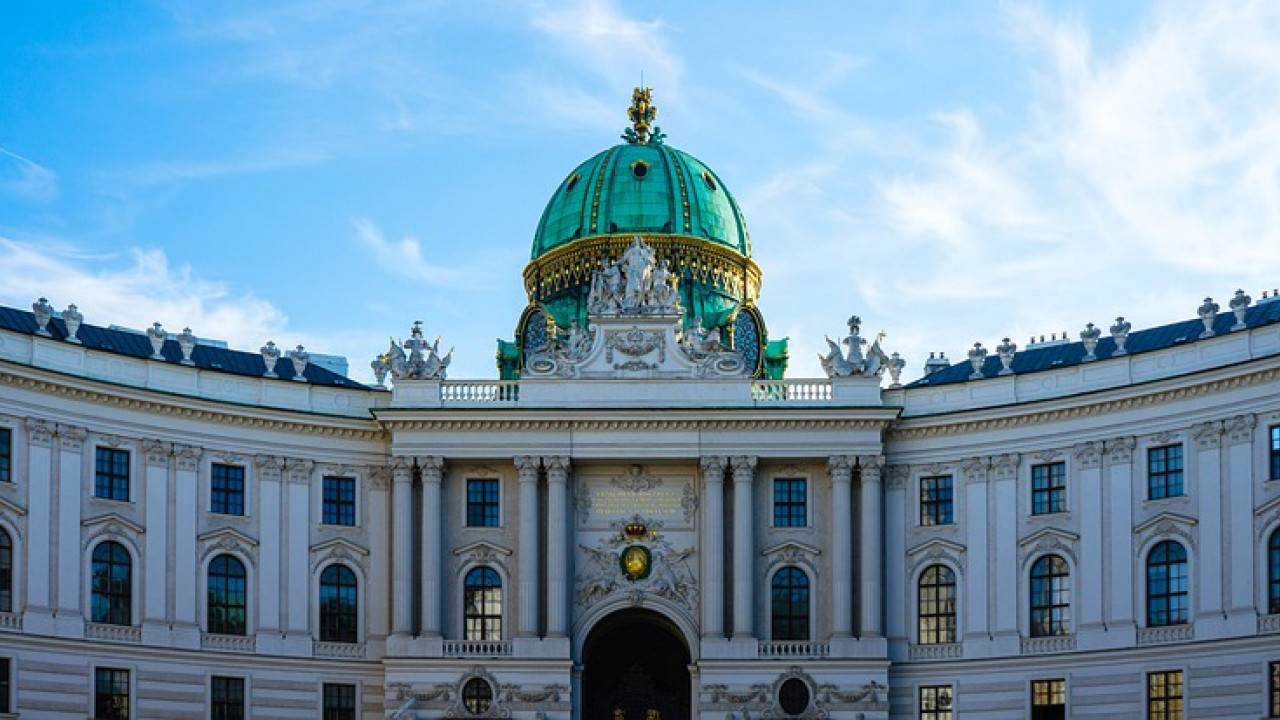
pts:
[477, 696]
[1275, 690]
[111, 586]
[1048, 488]
[482, 503]
[789, 496]
[1164, 695]
[226, 698]
[935, 702]
[338, 605]
[6, 572]
[1048, 699]
[1275, 453]
[1164, 472]
[226, 490]
[482, 605]
[1050, 597]
[339, 702]
[1167, 585]
[1273, 573]
[6, 690]
[227, 596]
[339, 501]
[111, 474]
[6, 455]
[937, 595]
[935, 500]
[790, 598]
[794, 696]
[110, 694]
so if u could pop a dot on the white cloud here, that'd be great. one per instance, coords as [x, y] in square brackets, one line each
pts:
[23, 178]
[404, 257]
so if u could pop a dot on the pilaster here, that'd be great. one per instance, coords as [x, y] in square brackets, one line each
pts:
[872, 560]
[977, 581]
[157, 458]
[1087, 459]
[401, 548]
[558, 528]
[186, 566]
[269, 470]
[712, 543]
[527, 468]
[1118, 608]
[431, 468]
[840, 467]
[744, 473]
[40, 510]
[71, 473]
[1207, 438]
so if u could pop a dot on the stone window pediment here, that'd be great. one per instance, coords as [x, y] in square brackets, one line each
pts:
[336, 550]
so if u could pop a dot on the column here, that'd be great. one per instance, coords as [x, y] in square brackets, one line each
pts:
[1088, 457]
[70, 490]
[401, 547]
[155, 610]
[298, 554]
[895, 546]
[977, 583]
[1004, 549]
[712, 542]
[39, 515]
[186, 522]
[269, 469]
[1208, 490]
[1118, 612]
[744, 544]
[432, 468]
[557, 545]
[1239, 527]
[872, 504]
[528, 567]
[841, 469]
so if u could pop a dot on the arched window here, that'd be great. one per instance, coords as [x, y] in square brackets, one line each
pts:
[112, 585]
[790, 599]
[338, 605]
[227, 596]
[1050, 597]
[1273, 573]
[937, 598]
[6, 572]
[482, 605]
[477, 695]
[1167, 585]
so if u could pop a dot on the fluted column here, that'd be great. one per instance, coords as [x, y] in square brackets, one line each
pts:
[744, 473]
[713, 546]
[841, 469]
[872, 500]
[432, 470]
[401, 547]
[529, 590]
[557, 545]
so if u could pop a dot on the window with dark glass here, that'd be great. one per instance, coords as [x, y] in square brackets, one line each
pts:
[227, 596]
[789, 502]
[6, 455]
[1167, 585]
[935, 702]
[482, 605]
[482, 503]
[226, 698]
[339, 702]
[1275, 453]
[339, 506]
[338, 605]
[226, 489]
[1164, 695]
[477, 696]
[6, 571]
[936, 500]
[1273, 573]
[110, 694]
[111, 474]
[1049, 699]
[1050, 597]
[790, 605]
[111, 588]
[1048, 488]
[793, 696]
[1164, 472]
[6, 690]
[1274, 692]
[937, 601]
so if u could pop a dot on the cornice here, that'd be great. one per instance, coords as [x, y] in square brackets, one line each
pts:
[1021, 416]
[524, 425]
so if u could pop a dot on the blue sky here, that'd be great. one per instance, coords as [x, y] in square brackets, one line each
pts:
[325, 173]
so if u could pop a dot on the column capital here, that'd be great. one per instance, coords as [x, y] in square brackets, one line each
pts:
[40, 432]
[841, 466]
[528, 467]
[743, 465]
[300, 471]
[713, 463]
[188, 457]
[401, 469]
[157, 452]
[870, 467]
[269, 466]
[557, 466]
[431, 466]
[71, 437]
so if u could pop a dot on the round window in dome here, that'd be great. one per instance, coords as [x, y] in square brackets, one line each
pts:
[793, 697]
[477, 696]
[640, 169]
[710, 181]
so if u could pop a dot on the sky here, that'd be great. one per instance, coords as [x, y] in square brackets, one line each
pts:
[326, 172]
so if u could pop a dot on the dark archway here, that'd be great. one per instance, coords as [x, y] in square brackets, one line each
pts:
[635, 661]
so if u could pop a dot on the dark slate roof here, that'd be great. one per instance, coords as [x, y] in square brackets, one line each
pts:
[205, 357]
[1052, 357]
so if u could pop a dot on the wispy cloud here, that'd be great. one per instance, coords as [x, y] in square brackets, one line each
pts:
[25, 179]
[404, 257]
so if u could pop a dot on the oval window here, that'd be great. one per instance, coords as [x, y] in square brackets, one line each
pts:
[640, 169]
[793, 696]
[477, 696]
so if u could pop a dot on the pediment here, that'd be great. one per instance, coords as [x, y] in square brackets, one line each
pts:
[791, 547]
[1165, 518]
[482, 547]
[9, 508]
[939, 545]
[122, 524]
[226, 535]
[1049, 535]
[336, 544]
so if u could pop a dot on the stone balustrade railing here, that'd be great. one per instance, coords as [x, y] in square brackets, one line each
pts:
[1052, 644]
[1269, 623]
[771, 391]
[941, 651]
[786, 649]
[10, 621]
[1159, 635]
[477, 648]
[114, 633]
[479, 391]
[337, 649]
[233, 643]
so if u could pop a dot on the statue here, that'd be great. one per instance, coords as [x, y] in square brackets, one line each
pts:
[634, 285]
[637, 262]
[423, 362]
[841, 363]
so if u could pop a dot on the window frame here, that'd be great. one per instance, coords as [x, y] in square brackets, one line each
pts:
[337, 693]
[1049, 593]
[7, 685]
[1160, 481]
[228, 711]
[473, 699]
[485, 509]
[6, 454]
[109, 483]
[96, 679]
[1043, 693]
[340, 623]
[223, 500]
[226, 626]
[1049, 488]
[793, 512]
[1178, 713]
[1273, 572]
[1274, 451]
[489, 625]
[790, 615]
[936, 713]
[7, 555]
[946, 632]
[338, 510]
[118, 603]
[1273, 689]
[933, 507]
[1167, 614]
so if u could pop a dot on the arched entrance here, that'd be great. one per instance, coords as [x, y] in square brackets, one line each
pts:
[636, 662]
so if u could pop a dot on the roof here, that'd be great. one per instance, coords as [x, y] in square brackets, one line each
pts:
[1053, 357]
[204, 357]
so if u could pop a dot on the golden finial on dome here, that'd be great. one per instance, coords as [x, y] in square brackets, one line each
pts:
[642, 113]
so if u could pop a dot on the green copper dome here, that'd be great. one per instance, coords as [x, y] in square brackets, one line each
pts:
[642, 189]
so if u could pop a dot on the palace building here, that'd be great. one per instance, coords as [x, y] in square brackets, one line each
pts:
[642, 517]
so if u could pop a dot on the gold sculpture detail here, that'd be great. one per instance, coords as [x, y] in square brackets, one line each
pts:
[642, 113]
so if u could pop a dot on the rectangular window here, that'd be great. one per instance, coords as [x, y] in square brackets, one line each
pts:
[1048, 699]
[482, 503]
[1275, 690]
[1164, 472]
[110, 694]
[226, 490]
[935, 702]
[111, 474]
[339, 702]
[935, 500]
[1164, 695]
[6, 455]
[339, 501]
[226, 698]
[1048, 488]
[1275, 453]
[6, 691]
[789, 498]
